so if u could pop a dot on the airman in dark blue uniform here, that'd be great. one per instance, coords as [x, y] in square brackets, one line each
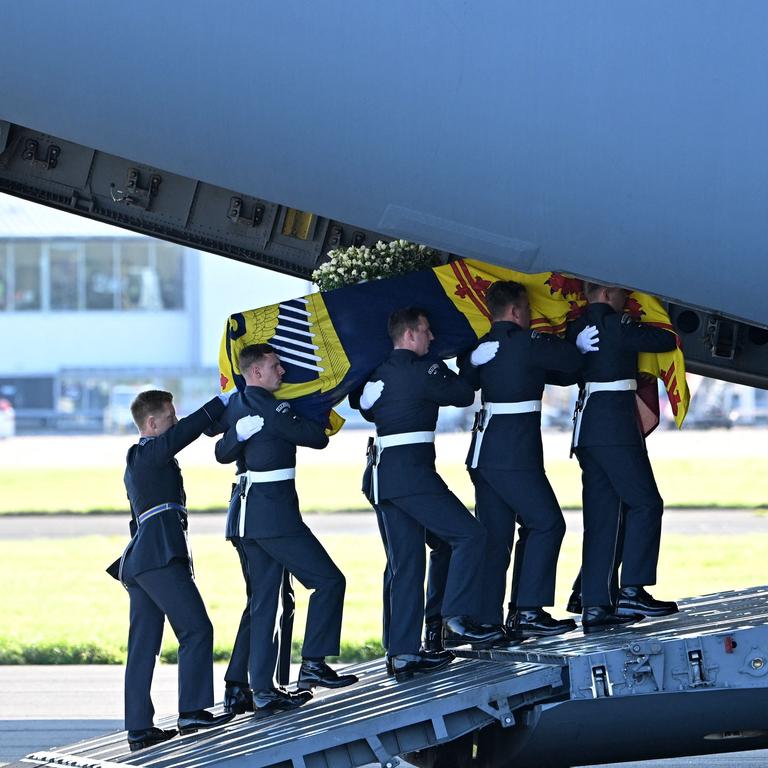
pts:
[238, 695]
[511, 365]
[273, 535]
[437, 572]
[156, 570]
[403, 398]
[615, 467]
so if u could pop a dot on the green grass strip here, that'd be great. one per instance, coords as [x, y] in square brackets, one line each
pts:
[58, 606]
[705, 483]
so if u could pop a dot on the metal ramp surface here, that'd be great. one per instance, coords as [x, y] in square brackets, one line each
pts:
[372, 721]
[715, 641]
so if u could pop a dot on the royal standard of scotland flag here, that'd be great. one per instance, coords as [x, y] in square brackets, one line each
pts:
[329, 342]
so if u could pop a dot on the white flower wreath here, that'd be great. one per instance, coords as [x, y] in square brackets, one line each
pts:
[346, 266]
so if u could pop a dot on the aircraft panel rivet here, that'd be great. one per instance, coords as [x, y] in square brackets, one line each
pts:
[757, 663]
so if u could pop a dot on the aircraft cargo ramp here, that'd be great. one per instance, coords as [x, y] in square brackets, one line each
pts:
[690, 683]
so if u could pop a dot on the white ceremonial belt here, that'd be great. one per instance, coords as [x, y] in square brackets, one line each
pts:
[489, 410]
[590, 387]
[620, 385]
[269, 476]
[393, 441]
[248, 478]
[404, 438]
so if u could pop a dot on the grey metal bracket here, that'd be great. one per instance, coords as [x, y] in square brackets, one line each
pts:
[501, 711]
[601, 682]
[645, 657]
[134, 193]
[382, 755]
[236, 215]
[698, 674]
[48, 161]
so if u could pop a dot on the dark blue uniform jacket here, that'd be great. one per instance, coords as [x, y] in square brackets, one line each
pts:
[524, 363]
[272, 508]
[234, 410]
[152, 477]
[610, 418]
[414, 390]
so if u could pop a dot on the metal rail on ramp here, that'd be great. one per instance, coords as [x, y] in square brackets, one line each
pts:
[372, 721]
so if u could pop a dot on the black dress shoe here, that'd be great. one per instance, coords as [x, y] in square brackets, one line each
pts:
[238, 699]
[312, 673]
[634, 600]
[149, 736]
[404, 667]
[574, 603]
[431, 656]
[189, 722]
[536, 622]
[267, 701]
[598, 618]
[459, 630]
[433, 635]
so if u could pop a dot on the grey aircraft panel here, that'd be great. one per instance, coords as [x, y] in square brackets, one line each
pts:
[619, 141]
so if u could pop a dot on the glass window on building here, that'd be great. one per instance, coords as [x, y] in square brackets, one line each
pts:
[139, 284]
[170, 270]
[3, 278]
[65, 276]
[101, 284]
[26, 277]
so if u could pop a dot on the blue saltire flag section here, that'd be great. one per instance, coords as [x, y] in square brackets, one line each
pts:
[329, 342]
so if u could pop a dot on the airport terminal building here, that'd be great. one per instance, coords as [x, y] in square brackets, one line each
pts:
[90, 312]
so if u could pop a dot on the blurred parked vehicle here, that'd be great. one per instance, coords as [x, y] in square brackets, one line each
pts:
[117, 414]
[7, 418]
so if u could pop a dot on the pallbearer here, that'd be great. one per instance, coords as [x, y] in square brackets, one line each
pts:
[238, 695]
[275, 538]
[156, 568]
[614, 464]
[403, 398]
[511, 365]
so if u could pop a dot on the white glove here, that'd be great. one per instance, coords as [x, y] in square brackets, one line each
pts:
[484, 353]
[224, 396]
[248, 426]
[371, 393]
[588, 340]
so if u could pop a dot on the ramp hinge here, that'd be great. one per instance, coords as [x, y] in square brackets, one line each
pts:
[236, 215]
[382, 755]
[646, 658]
[48, 161]
[601, 683]
[697, 676]
[134, 193]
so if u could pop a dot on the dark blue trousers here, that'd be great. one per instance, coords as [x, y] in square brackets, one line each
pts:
[237, 670]
[610, 475]
[617, 562]
[304, 556]
[406, 519]
[437, 574]
[167, 591]
[502, 498]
